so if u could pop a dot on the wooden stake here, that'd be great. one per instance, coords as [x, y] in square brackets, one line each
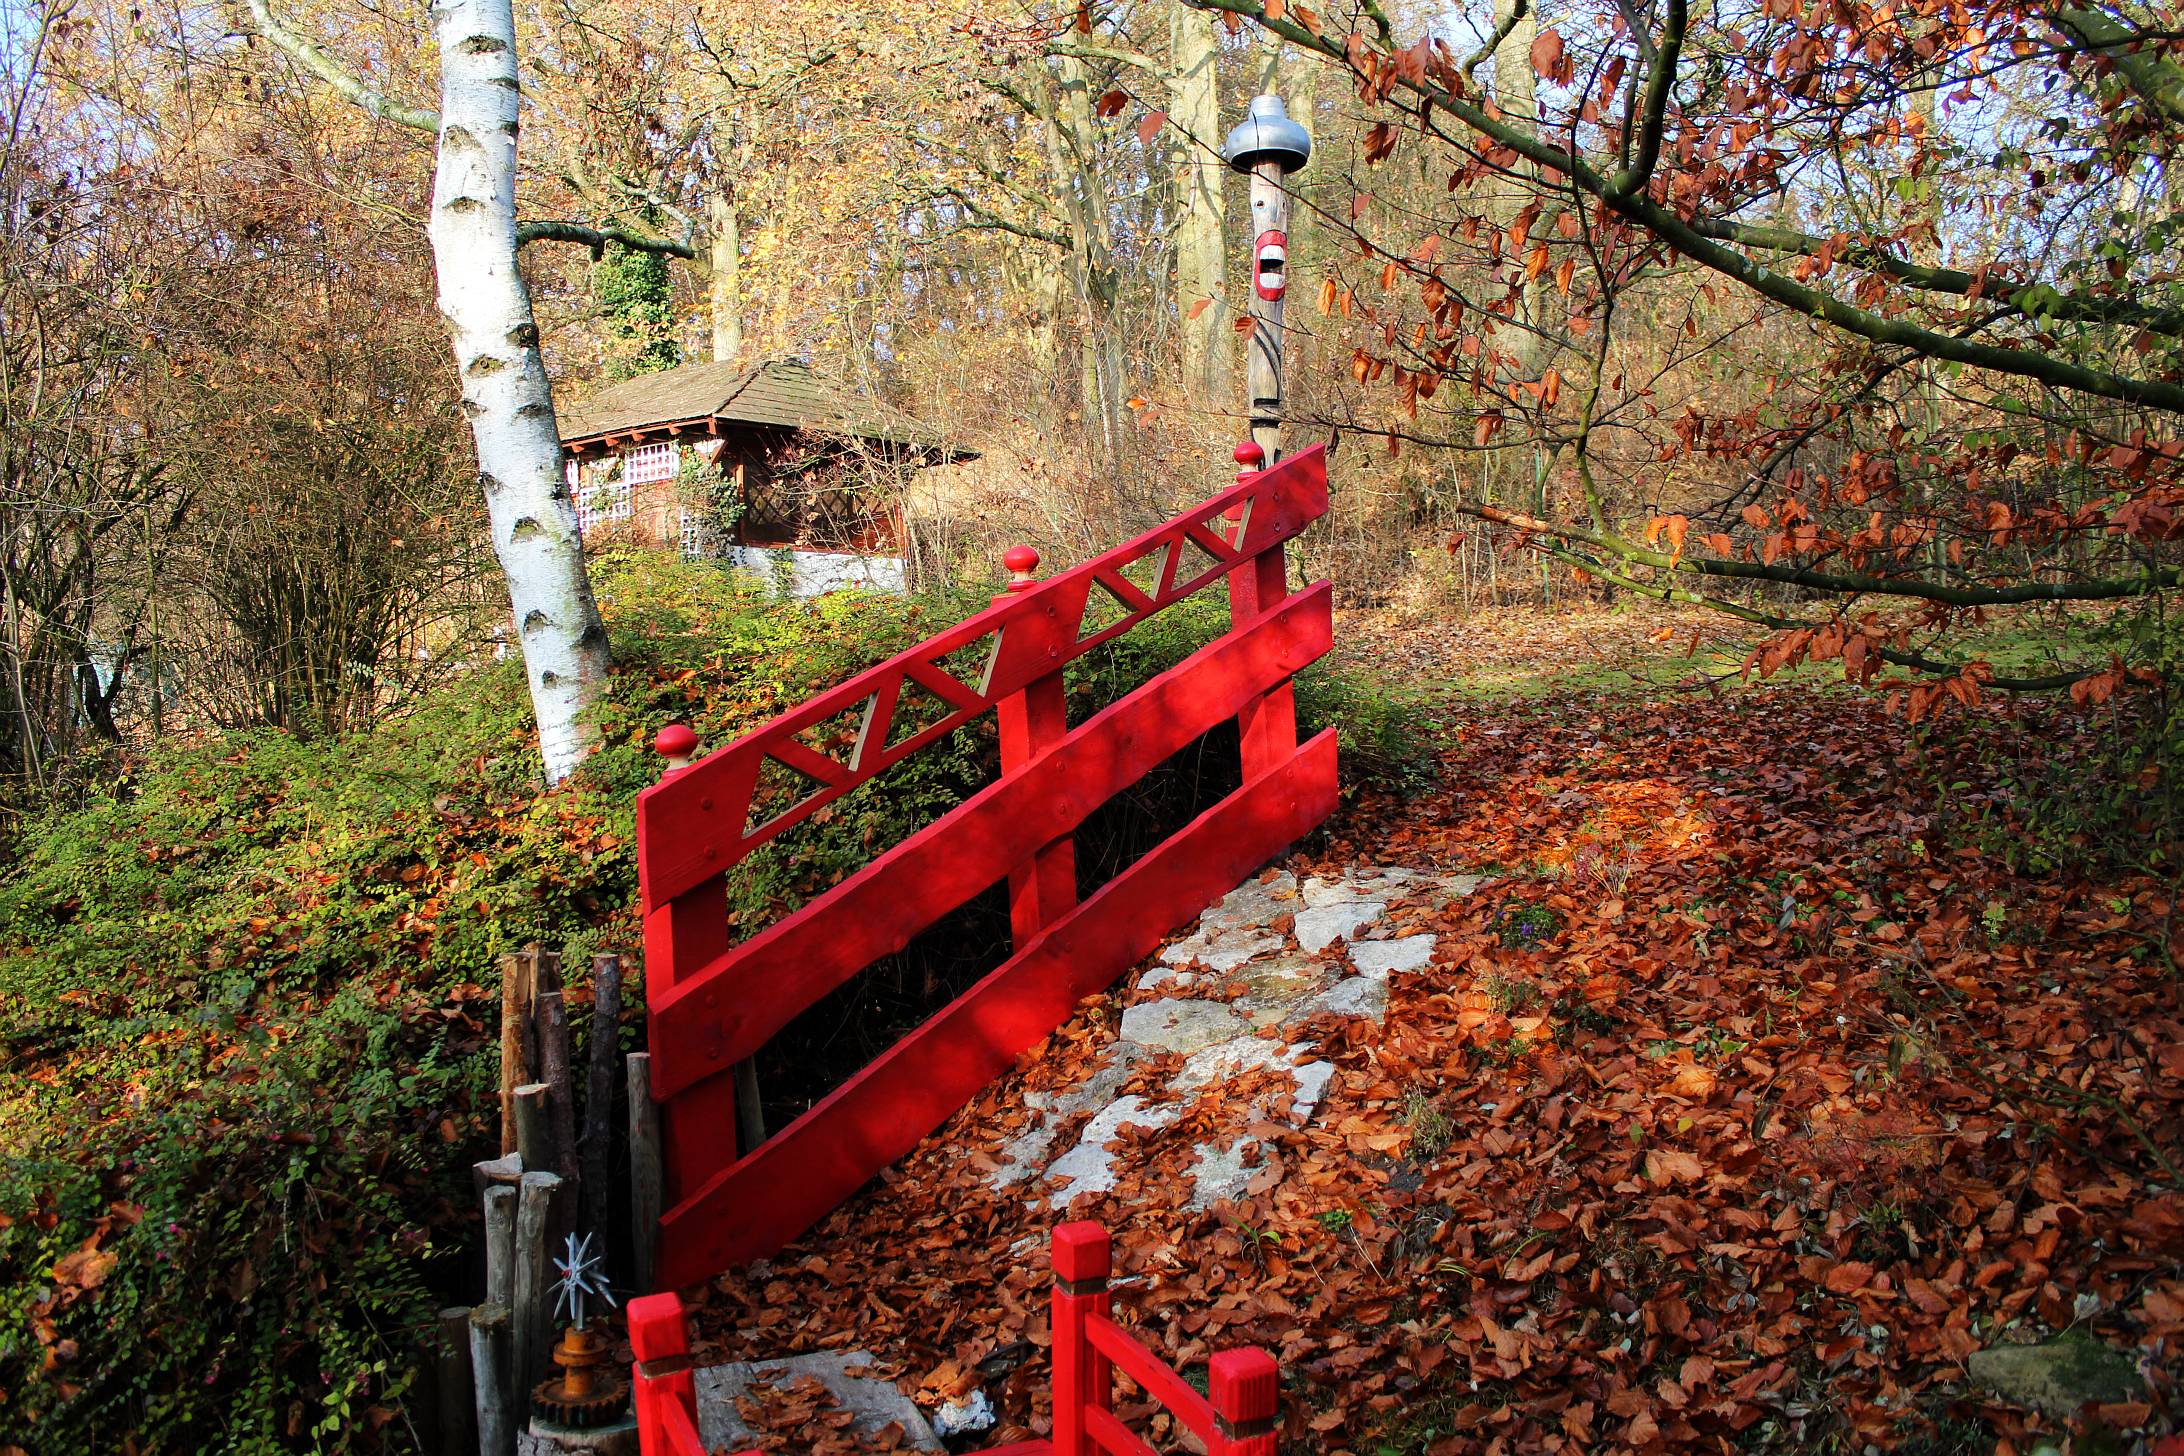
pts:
[516, 986]
[458, 1403]
[500, 1245]
[551, 1013]
[599, 1149]
[489, 1380]
[534, 1130]
[644, 1168]
[532, 1314]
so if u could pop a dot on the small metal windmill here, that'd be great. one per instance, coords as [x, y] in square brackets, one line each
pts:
[584, 1393]
[583, 1276]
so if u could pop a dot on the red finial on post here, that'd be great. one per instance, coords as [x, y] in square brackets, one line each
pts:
[1021, 562]
[677, 744]
[1250, 460]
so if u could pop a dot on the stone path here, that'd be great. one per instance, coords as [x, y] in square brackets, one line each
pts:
[1233, 991]
[1232, 997]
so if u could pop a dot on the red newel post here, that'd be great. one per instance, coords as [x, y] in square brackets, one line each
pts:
[1081, 1378]
[1044, 888]
[677, 744]
[697, 1131]
[660, 1343]
[1244, 1387]
[1267, 724]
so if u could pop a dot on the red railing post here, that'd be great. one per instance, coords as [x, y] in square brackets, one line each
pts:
[1044, 888]
[1267, 725]
[1244, 1387]
[659, 1342]
[1081, 1378]
[698, 1130]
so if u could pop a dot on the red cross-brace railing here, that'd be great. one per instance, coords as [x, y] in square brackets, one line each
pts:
[1236, 1417]
[714, 1004]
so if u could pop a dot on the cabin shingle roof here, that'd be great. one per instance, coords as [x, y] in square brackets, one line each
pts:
[782, 392]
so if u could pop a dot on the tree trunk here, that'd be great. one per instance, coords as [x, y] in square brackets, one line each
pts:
[505, 393]
[725, 292]
[1194, 107]
[1515, 92]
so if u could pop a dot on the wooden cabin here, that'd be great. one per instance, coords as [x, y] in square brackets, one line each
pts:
[771, 467]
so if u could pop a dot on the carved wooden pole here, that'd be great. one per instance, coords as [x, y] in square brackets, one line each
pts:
[1266, 147]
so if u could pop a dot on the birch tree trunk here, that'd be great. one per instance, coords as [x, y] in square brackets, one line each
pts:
[1194, 106]
[505, 393]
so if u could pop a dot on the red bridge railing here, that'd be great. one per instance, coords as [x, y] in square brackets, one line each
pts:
[1237, 1416]
[714, 1004]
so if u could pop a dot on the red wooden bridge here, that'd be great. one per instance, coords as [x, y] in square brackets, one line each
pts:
[713, 1004]
[1236, 1417]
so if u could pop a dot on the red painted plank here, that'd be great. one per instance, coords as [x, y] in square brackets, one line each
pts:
[796, 1177]
[1152, 1374]
[1112, 1436]
[706, 1020]
[691, 825]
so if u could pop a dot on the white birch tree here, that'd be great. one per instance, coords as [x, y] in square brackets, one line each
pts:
[505, 393]
[506, 396]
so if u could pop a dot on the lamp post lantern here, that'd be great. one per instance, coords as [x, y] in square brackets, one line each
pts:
[1267, 146]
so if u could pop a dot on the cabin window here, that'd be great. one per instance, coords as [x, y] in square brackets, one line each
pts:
[601, 491]
[647, 463]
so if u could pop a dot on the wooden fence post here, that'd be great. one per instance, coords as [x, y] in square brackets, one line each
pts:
[659, 1341]
[1244, 1387]
[1081, 1265]
[1044, 888]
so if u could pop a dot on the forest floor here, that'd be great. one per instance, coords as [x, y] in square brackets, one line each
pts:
[1791, 1079]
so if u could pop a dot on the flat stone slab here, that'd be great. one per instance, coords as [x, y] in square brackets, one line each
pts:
[871, 1400]
[1181, 1027]
[1383, 958]
[1223, 951]
[1338, 920]
[1360, 996]
[1255, 902]
[1026, 1154]
[1089, 1166]
[2057, 1376]
[1262, 945]
[1221, 1173]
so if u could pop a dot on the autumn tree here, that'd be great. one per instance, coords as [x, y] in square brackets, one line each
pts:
[1864, 201]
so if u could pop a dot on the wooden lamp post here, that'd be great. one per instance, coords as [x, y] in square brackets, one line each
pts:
[1267, 146]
